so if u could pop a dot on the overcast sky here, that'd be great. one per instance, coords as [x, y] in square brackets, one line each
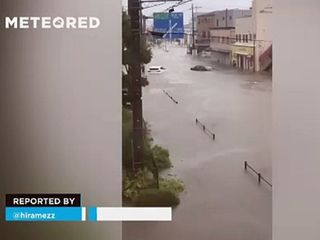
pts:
[204, 6]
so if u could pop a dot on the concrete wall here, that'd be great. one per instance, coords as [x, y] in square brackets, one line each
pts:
[221, 47]
[204, 24]
[263, 20]
[216, 42]
[227, 18]
[245, 25]
[296, 117]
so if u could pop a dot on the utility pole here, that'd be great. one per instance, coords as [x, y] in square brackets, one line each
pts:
[226, 17]
[134, 9]
[170, 27]
[193, 32]
[254, 55]
[135, 13]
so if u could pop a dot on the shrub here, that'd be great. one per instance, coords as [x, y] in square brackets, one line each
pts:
[173, 185]
[161, 157]
[133, 185]
[156, 198]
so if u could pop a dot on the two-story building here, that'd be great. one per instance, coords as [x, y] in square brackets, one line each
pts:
[244, 47]
[208, 26]
[221, 41]
[205, 22]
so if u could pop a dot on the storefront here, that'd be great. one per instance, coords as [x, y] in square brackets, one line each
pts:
[243, 57]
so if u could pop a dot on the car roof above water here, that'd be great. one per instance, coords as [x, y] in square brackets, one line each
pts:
[155, 67]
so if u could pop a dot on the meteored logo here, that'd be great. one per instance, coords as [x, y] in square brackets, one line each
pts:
[51, 22]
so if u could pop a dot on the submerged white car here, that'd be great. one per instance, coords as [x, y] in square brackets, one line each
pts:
[156, 69]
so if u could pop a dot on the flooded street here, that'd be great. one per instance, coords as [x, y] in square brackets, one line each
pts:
[221, 201]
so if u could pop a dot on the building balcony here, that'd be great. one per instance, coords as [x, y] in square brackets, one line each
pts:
[203, 42]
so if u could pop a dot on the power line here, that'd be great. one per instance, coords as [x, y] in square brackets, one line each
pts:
[178, 5]
[154, 5]
[184, 33]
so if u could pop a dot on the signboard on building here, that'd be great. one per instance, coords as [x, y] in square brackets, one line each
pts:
[171, 24]
[243, 50]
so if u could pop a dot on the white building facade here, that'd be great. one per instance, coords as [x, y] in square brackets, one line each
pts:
[253, 47]
[243, 50]
[262, 15]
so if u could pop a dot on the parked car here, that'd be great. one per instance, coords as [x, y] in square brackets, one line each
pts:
[201, 68]
[156, 69]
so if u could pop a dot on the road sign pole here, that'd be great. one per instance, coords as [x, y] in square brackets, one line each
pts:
[170, 28]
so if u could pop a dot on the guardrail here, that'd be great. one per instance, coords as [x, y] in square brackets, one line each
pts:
[260, 177]
[205, 129]
[175, 101]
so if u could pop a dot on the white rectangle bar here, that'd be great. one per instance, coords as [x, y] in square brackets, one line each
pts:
[83, 214]
[134, 214]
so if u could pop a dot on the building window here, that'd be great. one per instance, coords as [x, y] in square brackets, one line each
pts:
[217, 23]
[228, 40]
[230, 17]
[232, 39]
[222, 18]
[250, 37]
[236, 37]
[222, 39]
[254, 36]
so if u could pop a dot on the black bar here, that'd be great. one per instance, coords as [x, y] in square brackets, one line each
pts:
[260, 177]
[205, 129]
[174, 100]
[43, 200]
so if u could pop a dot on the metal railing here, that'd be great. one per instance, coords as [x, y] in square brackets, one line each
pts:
[260, 177]
[205, 129]
[174, 100]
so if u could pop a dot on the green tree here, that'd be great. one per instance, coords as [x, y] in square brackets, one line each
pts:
[128, 57]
